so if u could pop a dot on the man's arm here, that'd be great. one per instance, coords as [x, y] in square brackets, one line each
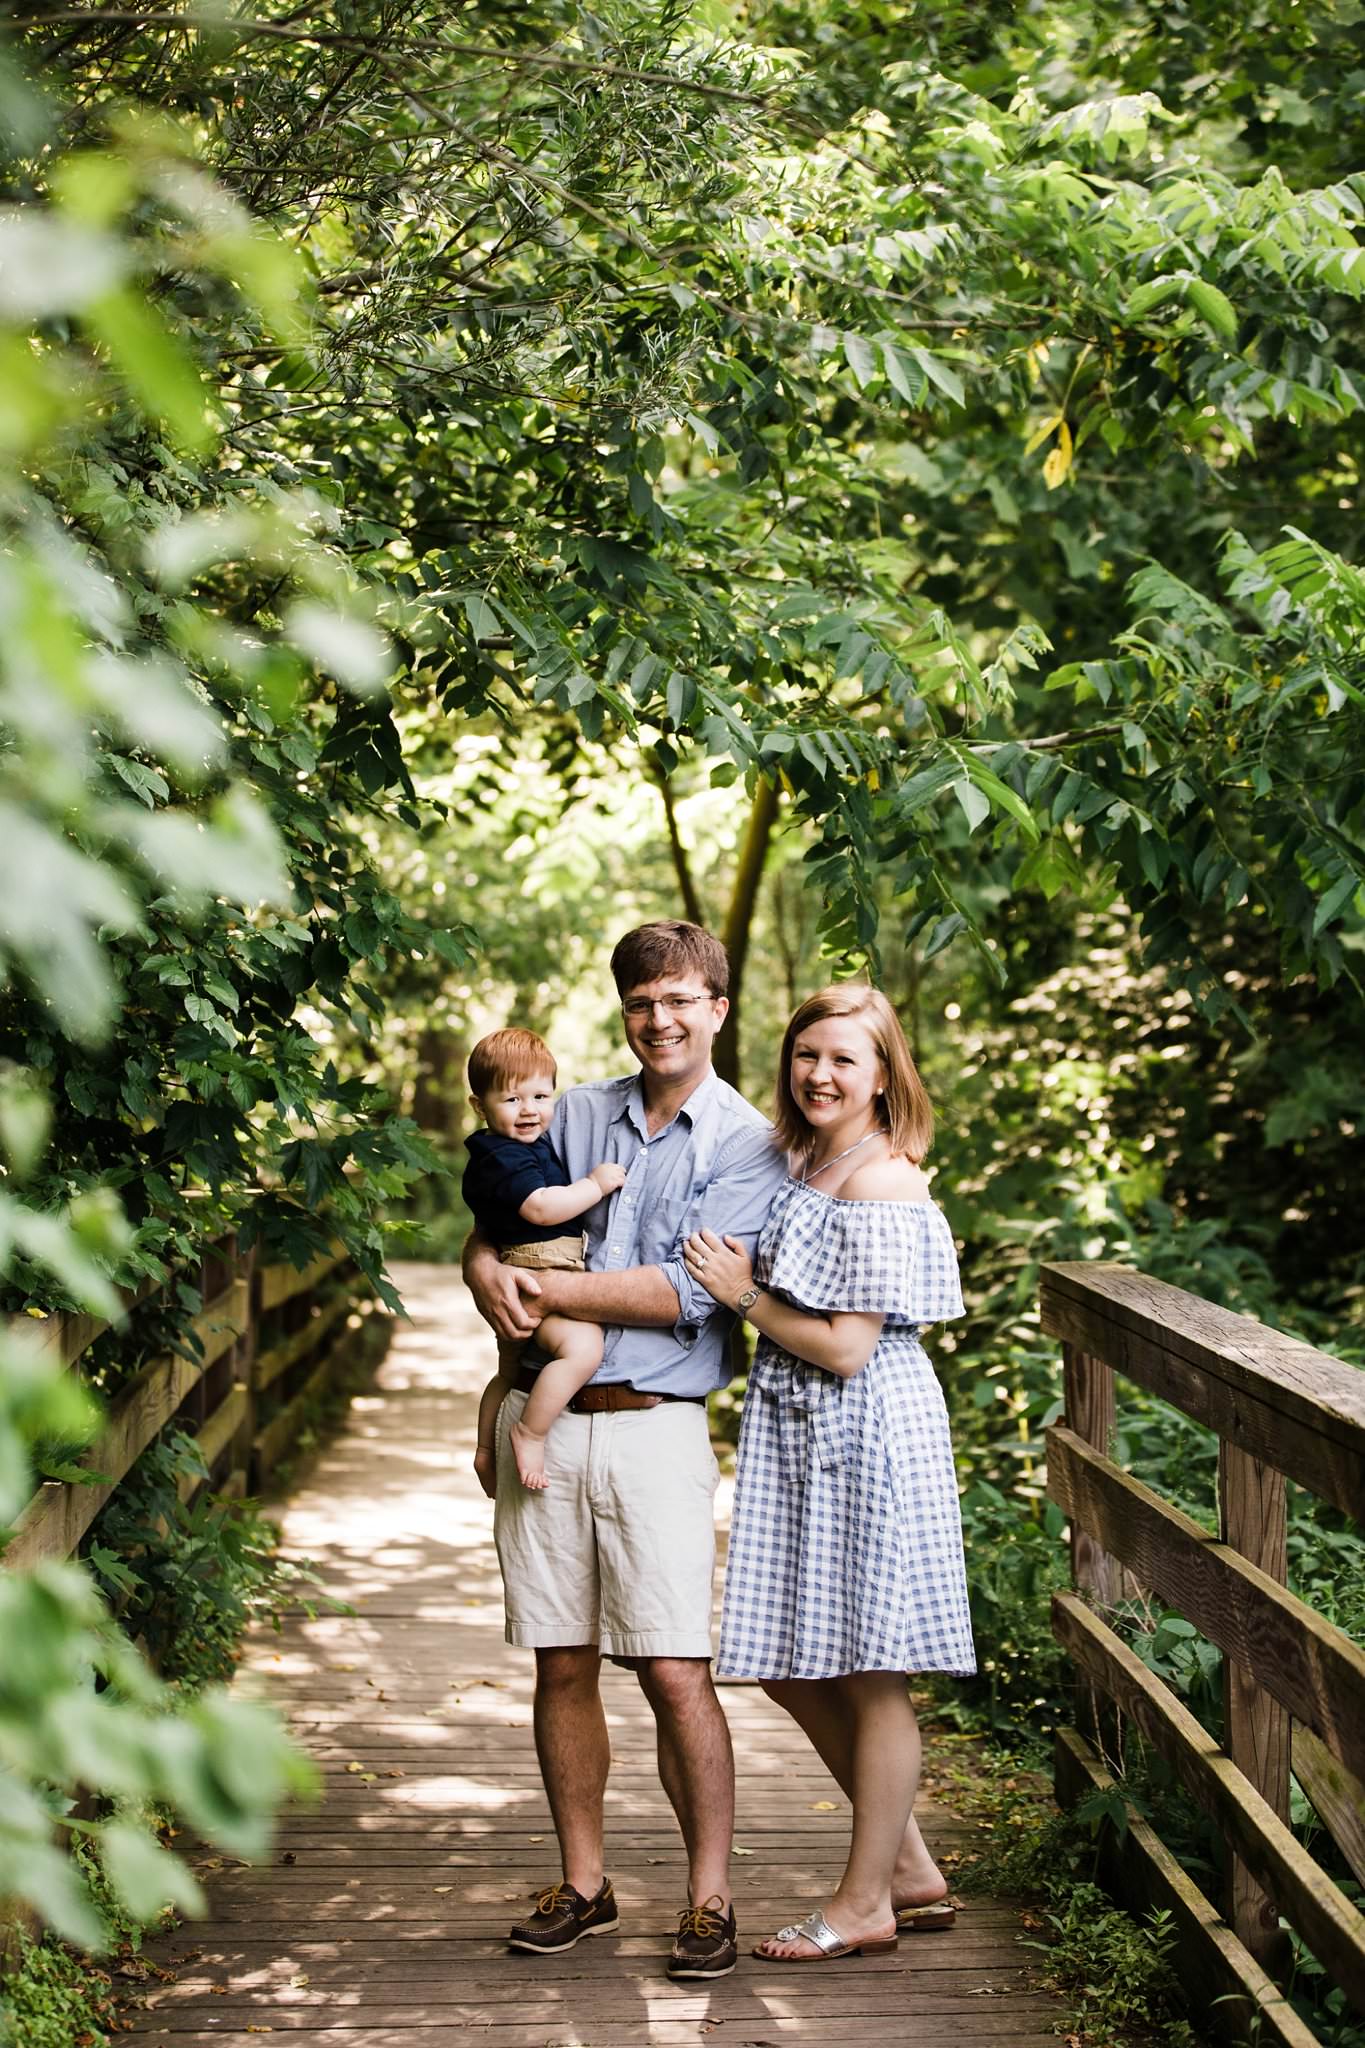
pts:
[641, 1297]
[735, 1204]
[505, 1296]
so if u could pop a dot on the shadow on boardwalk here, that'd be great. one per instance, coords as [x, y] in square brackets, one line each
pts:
[381, 1917]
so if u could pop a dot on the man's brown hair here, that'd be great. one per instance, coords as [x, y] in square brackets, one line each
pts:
[512, 1055]
[903, 1108]
[669, 946]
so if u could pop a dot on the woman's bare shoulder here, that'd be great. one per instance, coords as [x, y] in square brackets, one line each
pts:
[887, 1180]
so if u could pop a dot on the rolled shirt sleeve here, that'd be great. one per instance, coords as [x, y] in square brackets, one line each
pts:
[734, 1203]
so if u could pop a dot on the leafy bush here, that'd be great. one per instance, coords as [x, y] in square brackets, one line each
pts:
[190, 1578]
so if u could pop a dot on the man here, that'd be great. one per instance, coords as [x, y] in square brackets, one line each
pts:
[616, 1556]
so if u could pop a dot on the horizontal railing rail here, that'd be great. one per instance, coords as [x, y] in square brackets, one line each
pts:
[268, 1342]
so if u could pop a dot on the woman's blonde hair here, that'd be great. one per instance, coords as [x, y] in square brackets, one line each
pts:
[903, 1108]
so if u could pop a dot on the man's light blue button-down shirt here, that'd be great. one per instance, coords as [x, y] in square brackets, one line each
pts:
[715, 1164]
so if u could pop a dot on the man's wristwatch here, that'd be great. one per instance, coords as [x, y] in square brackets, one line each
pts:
[747, 1300]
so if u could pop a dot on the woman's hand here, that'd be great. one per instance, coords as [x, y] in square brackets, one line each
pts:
[721, 1265]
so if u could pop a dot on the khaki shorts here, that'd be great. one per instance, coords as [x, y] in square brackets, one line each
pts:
[620, 1548]
[548, 1255]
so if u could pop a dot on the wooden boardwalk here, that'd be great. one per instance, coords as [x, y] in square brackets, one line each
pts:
[380, 1919]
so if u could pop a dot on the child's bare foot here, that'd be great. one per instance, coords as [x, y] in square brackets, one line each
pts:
[529, 1451]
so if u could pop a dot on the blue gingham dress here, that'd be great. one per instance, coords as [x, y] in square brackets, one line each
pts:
[846, 1541]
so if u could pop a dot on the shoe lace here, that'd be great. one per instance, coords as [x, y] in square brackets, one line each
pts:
[554, 1897]
[703, 1919]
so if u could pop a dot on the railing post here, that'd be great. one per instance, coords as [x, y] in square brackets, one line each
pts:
[1251, 1507]
[1091, 1411]
[1088, 1388]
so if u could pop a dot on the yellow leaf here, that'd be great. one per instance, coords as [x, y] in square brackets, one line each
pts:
[1041, 432]
[1057, 468]
[825, 1806]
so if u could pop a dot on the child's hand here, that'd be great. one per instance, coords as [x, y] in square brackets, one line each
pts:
[720, 1265]
[608, 1177]
[486, 1469]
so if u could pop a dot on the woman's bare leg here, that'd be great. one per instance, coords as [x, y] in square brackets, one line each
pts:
[821, 1709]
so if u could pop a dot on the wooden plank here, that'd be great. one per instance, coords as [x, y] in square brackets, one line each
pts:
[1227, 1986]
[273, 1440]
[280, 1283]
[60, 1337]
[222, 1321]
[1337, 1795]
[270, 1364]
[1303, 1892]
[58, 1516]
[1255, 1725]
[1315, 1670]
[1298, 1409]
[214, 1435]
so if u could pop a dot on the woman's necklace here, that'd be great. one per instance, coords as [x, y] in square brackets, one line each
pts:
[808, 1171]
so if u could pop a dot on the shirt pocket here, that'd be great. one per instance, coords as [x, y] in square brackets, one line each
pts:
[664, 1226]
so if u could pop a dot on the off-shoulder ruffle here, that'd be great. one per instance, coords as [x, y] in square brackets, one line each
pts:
[895, 1259]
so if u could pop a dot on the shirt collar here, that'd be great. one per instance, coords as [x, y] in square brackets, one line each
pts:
[695, 1107]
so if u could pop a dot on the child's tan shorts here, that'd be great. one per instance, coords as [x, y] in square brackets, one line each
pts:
[550, 1255]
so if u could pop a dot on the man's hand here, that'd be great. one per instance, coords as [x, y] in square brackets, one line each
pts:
[505, 1296]
[609, 1177]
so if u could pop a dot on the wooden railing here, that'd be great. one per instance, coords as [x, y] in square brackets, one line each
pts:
[269, 1341]
[1294, 1685]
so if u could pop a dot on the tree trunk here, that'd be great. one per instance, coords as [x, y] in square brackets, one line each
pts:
[739, 920]
[687, 888]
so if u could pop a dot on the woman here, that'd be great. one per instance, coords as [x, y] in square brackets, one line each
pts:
[846, 1567]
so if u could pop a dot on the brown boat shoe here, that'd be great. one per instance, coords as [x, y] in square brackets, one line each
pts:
[707, 1943]
[562, 1918]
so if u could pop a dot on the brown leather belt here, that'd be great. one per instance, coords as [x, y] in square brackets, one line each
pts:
[607, 1400]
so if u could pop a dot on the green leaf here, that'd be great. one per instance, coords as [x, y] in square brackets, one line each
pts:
[1212, 306]
[349, 648]
[861, 357]
[1000, 793]
[484, 622]
[940, 374]
[974, 802]
[1336, 899]
[943, 933]
[143, 1875]
[155, 366]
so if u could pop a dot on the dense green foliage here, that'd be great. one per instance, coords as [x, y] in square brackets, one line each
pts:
[881, 477]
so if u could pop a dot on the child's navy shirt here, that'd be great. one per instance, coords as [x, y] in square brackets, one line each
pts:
[500, 1174]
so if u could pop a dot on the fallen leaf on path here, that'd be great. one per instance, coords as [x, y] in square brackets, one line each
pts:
[825, 1806]
[740, 1852]
[443, 1887]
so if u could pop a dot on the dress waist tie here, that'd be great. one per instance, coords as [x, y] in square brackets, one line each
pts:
[814, 1393]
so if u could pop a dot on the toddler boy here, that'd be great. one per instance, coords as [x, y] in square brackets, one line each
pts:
[521, 1198]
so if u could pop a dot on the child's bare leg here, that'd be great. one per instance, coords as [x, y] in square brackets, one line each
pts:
[575, 1353]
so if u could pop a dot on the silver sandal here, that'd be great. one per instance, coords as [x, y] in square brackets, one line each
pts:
[817, 1930]
[935, 1919]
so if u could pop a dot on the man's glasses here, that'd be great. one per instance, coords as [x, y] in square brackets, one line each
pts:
[674, 1006]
